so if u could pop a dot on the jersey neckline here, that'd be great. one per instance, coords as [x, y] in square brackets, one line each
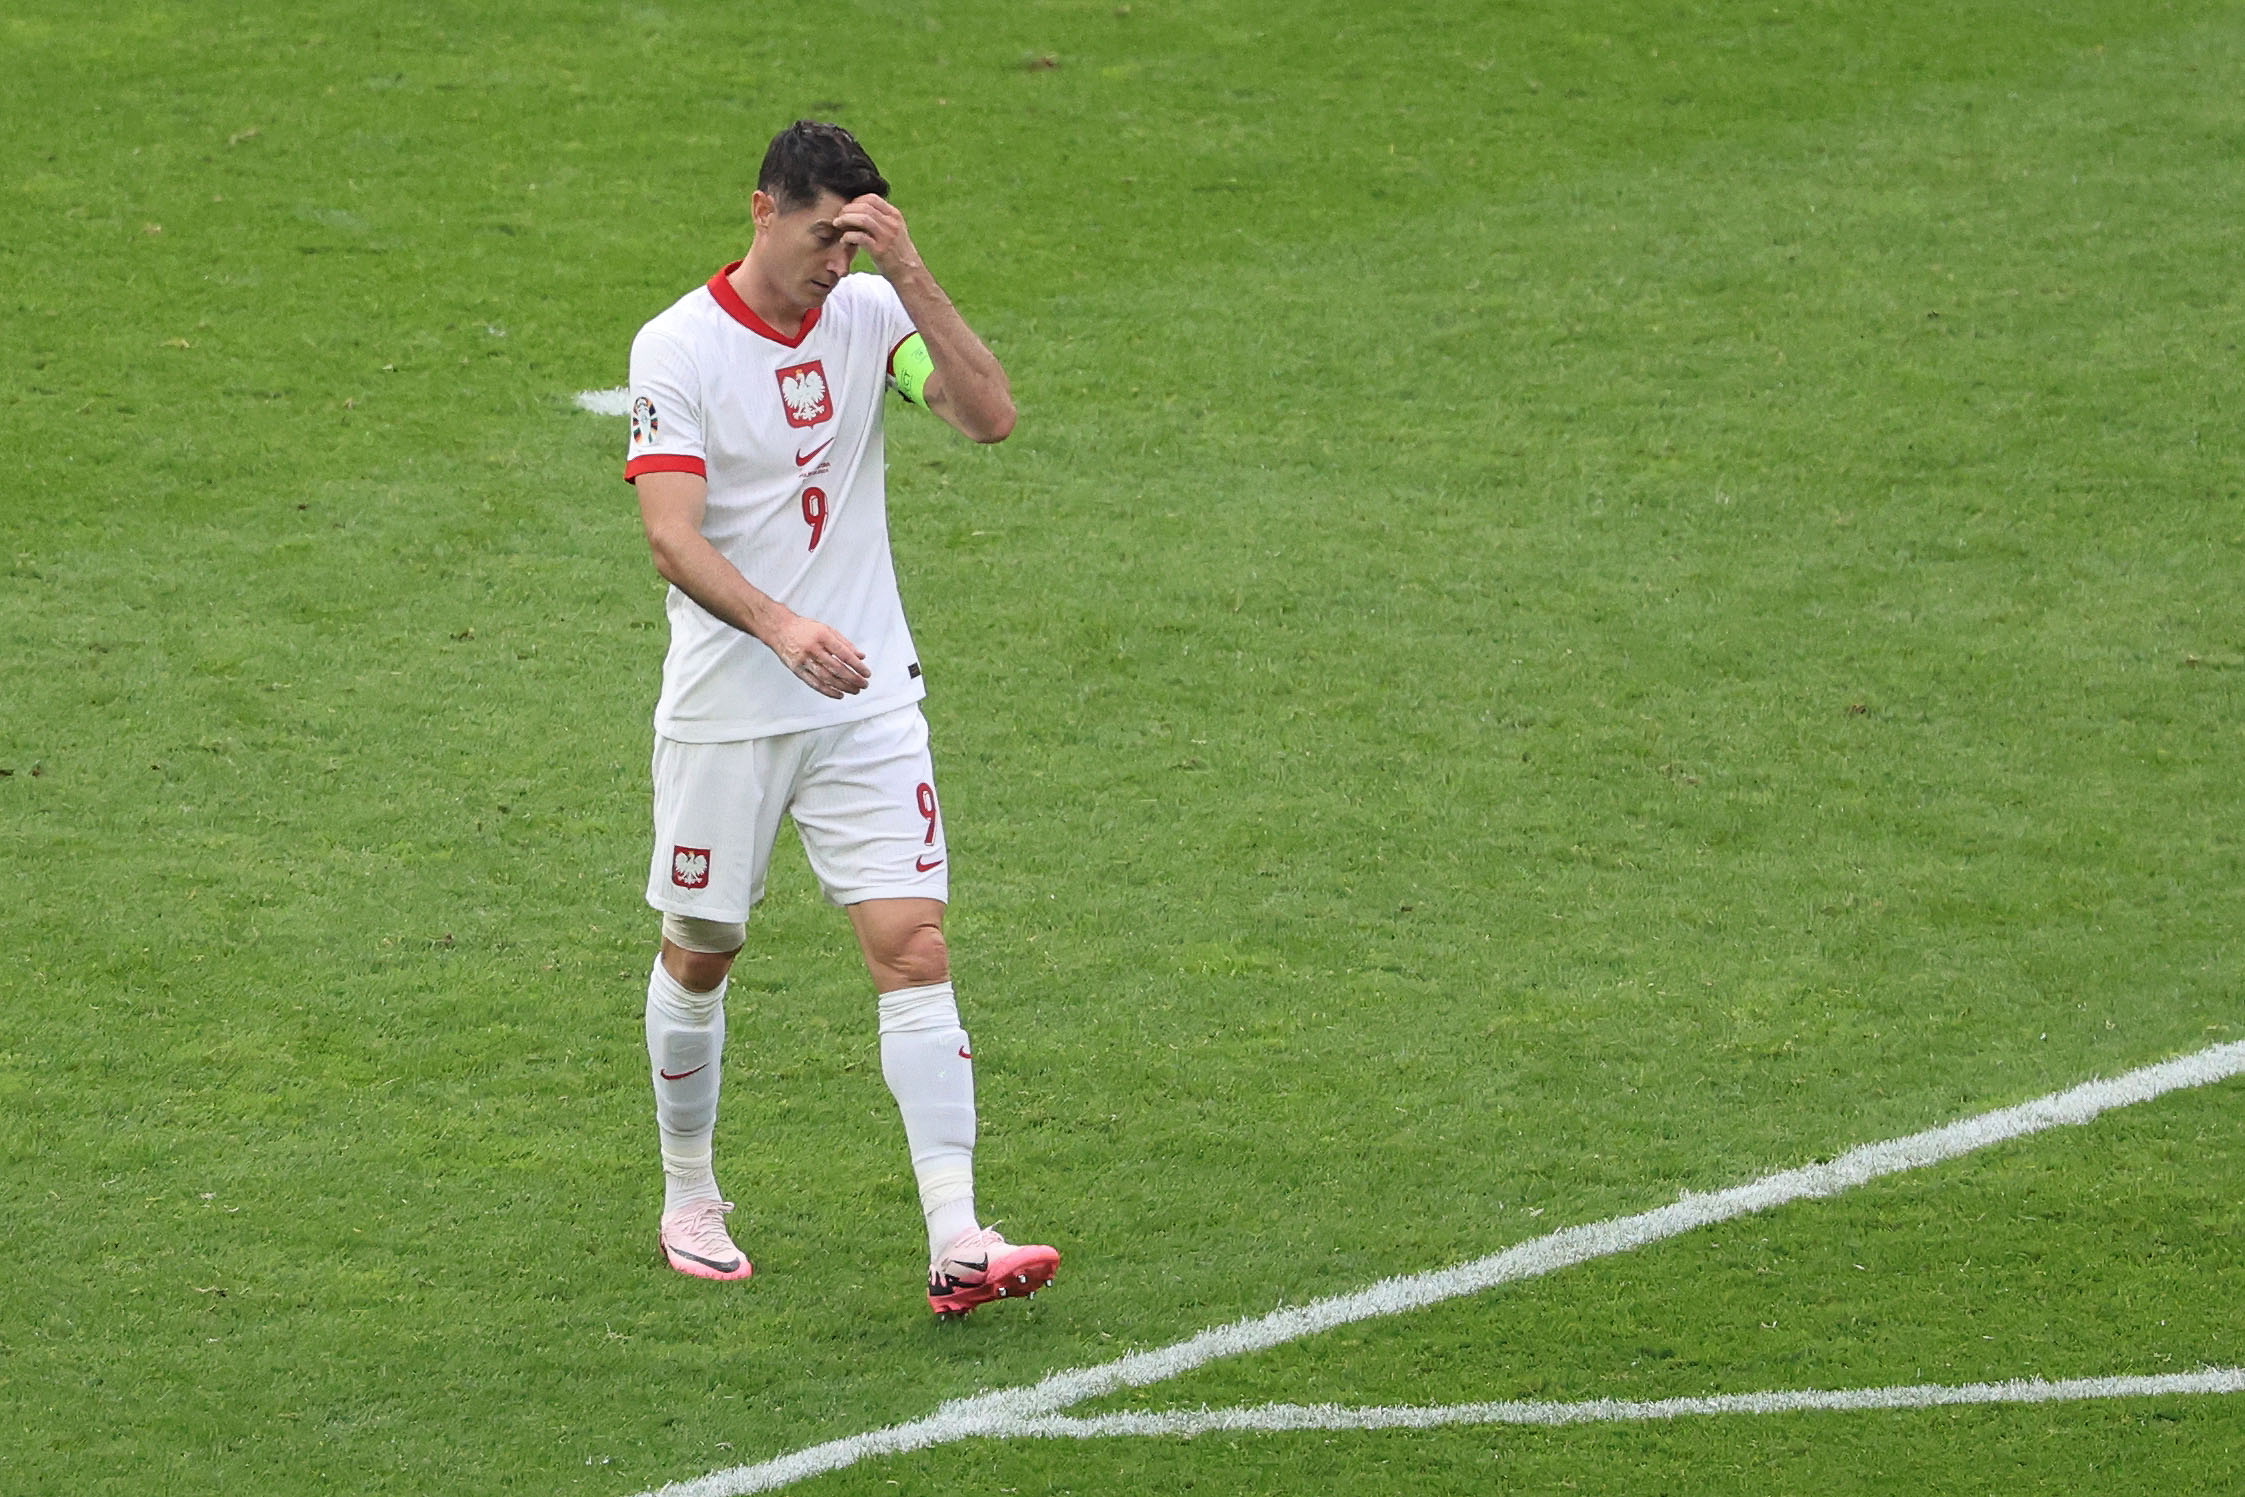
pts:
[721, 287]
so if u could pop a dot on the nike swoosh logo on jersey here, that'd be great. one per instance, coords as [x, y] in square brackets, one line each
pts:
[682, 1075]
[922, 865]
[801, 458]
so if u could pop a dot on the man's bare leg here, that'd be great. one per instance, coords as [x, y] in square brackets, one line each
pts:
[925, 1055]
[929, 1064]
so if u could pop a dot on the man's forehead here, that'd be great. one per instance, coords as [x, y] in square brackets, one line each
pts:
[821, 208]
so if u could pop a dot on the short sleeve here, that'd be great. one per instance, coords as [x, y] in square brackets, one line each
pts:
[666, 413]
[894, 322]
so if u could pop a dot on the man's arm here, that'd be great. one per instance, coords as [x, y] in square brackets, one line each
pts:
[968, 388]
[671, 506]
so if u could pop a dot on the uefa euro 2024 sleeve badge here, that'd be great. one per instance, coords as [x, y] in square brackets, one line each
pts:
[643, 422]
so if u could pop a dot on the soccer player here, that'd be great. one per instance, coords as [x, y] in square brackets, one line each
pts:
[792, 687]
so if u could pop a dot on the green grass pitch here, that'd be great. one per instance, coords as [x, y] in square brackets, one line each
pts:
[1590, 600]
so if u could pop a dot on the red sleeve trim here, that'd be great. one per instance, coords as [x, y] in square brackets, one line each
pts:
[664, 462]
[899, 343]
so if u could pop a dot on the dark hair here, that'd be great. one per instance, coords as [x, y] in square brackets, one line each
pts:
[810, 157]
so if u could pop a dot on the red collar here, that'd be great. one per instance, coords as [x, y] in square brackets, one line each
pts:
[721, 287]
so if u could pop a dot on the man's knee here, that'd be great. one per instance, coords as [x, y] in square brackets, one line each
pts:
[700, 952]
[696, 971]
[919, 956]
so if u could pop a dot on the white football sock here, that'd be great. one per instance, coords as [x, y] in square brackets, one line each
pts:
[686, 1043]
[930, 1070]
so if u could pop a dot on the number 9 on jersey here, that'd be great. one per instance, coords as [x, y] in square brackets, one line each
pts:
[814, 513]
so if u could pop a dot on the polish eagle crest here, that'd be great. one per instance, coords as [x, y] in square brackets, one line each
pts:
[803, 391]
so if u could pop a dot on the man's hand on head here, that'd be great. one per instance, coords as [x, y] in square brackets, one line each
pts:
[966, 385]
[873, 224]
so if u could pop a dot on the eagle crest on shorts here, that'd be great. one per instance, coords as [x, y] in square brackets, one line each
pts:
[689, 867]
[803, 391]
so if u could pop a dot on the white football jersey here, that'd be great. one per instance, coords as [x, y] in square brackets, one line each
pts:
[788, 433]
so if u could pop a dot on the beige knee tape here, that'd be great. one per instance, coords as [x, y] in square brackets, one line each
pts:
[711, 937]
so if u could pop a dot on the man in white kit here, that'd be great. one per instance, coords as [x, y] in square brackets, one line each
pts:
[792, 687]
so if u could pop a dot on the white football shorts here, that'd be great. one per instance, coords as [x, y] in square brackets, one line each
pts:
[861, 794]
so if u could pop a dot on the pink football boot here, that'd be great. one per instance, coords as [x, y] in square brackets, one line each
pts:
[695, 1241]
[981, 1266]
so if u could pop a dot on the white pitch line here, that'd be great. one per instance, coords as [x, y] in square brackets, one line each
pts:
[605, 402]
[997, 1413]
[1273, 1418]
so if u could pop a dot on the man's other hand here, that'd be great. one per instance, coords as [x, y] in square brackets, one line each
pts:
[820, 657]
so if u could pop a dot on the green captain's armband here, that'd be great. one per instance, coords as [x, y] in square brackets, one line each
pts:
[909, 368]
